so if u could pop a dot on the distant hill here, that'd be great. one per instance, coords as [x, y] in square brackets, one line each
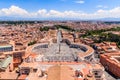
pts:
[19, 18]
[109, 19]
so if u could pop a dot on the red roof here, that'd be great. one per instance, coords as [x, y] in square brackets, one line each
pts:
[22, 77]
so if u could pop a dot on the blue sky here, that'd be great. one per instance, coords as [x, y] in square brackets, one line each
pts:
[69, 9]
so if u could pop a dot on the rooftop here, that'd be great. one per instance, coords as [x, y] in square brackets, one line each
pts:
[6, 62]
[112, 57]
[8, 76]
[60, 72]
[5, 46]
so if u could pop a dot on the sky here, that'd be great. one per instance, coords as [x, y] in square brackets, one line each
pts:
[60, 9]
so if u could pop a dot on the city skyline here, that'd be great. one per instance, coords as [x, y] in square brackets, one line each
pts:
[59, 9]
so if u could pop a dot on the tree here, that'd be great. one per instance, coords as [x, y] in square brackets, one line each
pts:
[32, 43]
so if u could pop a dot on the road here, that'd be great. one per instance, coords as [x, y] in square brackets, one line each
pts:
[108, 76]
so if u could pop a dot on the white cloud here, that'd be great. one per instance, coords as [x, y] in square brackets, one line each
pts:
[15, 11]
[101, 6]
[80, 1]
